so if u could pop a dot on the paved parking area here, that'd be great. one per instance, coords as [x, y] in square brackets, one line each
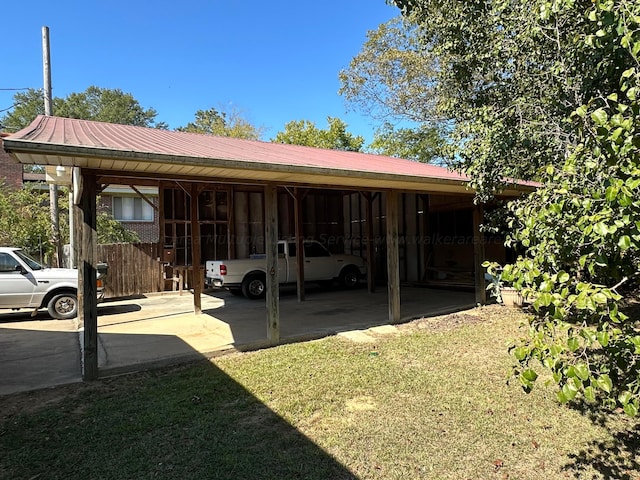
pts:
[162, 329]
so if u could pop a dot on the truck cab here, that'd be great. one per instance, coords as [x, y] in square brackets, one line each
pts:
[25, 283]
[248, 277]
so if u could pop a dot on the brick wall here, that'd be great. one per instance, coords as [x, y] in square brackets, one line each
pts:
[10, 170]
[147, 231]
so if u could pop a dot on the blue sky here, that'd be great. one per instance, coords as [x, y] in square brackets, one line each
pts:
[275, 61]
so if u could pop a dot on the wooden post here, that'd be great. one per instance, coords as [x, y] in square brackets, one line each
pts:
[371, 244]
[393, 258]
[87, 294]
[298, 196]
[479, 255]
[195, 251]
[271, 248]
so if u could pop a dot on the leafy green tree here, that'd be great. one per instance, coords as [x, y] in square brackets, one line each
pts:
[392, 76]
[463, 66]
[305, 132]
[423, 144]
[100, 104]
[390, 81]
[581, 229]
[24, 220]
[110, 230]
[228, 123]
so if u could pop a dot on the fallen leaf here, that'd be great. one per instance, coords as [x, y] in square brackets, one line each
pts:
[498, 464]
[535, 444]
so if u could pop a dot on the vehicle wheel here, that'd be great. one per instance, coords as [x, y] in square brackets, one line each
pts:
[349, 277]
[63, 306]
[254, 286]
[236, 292]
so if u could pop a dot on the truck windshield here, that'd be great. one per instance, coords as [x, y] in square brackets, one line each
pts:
[33, 265]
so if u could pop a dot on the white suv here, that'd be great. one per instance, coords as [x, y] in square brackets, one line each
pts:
[24, 283]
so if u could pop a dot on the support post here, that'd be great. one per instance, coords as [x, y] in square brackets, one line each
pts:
[393, 258]
[87, 294]
[298, 196]
[479, 255]
[195, 251]
[371, 244]
[271, 248]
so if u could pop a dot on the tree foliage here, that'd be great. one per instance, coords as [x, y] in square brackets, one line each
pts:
[305, 132]
[110, 230]
[500, 81]
[95, 103]
[581, 229]
[25, 222]
[390, 81]
[423, 144]
[228, 123]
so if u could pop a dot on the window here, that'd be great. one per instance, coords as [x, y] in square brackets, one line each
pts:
[132, 209]
[7, 263]
[315, 250]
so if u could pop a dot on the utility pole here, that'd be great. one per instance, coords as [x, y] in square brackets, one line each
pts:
[53, 188]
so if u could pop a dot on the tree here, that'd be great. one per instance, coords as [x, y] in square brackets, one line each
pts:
[228, 123]
[423, 144]
[305, 132]
[25, 221]
[389, 80]
[110, 230]
[566, 113]
[506, 110]
[100, 104]
[582, 232]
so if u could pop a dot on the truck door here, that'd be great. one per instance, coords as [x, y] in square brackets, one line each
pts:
[16, 288]
[292, 262]
[284, 264]
[317, 264]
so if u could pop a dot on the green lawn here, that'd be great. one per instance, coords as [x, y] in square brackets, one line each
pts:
[429, 402]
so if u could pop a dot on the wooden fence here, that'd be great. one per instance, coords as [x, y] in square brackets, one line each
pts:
[133, 268]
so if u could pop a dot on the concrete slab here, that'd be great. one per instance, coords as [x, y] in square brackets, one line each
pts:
[161, 329]
[37, 353]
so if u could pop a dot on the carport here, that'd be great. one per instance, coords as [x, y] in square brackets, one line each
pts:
[100, 154]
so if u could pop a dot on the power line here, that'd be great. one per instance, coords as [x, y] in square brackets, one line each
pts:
[13, 89]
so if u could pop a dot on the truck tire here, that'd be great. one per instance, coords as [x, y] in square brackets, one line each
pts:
[254, 286]
[349, 277]
[63, 306]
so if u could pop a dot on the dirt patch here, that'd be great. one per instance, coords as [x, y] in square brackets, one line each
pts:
[451, 321]
[441, 323]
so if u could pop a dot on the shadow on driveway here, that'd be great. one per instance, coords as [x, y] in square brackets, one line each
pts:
[190, 423]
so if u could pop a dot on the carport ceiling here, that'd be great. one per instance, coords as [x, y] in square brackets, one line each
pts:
[152, 153]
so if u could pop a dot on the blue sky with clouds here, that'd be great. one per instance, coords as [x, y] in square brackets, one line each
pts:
[275, 61]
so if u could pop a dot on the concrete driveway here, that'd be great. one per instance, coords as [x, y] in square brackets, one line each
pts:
[161, 329]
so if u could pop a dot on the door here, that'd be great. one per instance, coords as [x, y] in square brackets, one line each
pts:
[317, 262]
[16, 288]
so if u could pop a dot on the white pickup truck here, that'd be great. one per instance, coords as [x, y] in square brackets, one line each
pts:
[24, 283]
[248, 276]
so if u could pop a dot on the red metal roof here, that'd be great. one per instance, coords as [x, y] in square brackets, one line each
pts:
[155, 153]
[126, 138]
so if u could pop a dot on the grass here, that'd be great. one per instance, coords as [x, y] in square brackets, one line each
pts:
[429, 402]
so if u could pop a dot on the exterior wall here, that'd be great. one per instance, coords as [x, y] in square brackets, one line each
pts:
[10, 170]
[436, 238]
[147, 231]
